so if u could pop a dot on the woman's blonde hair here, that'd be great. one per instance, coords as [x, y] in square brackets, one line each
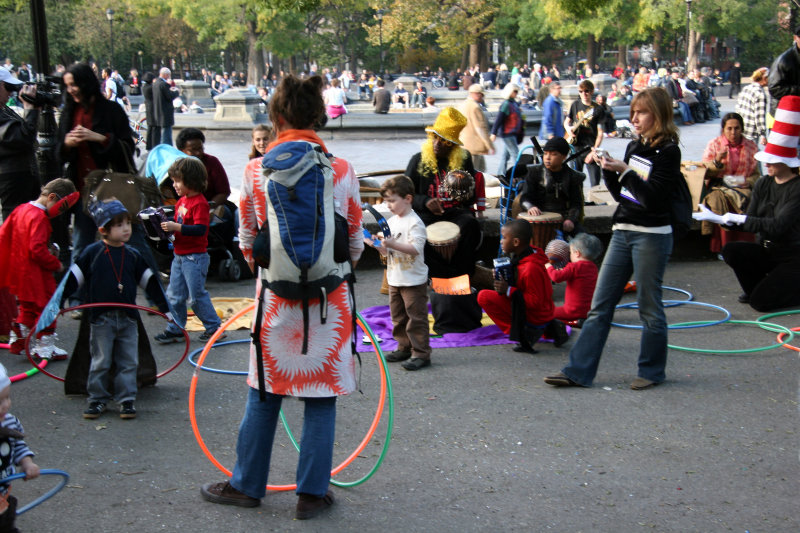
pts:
[759, 74]
[658, 102]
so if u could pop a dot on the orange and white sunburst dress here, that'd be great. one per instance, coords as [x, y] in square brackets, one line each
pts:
[328, 367]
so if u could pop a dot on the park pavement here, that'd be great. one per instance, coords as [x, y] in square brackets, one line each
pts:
[478, 443]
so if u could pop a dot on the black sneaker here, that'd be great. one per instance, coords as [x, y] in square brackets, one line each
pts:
[206, 335]
[94, 410]
[167, 337]
[397, 356]
[560, 335]
[127, 410]
[415, 363]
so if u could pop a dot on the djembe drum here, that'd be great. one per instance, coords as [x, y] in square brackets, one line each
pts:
[443, 237]
[544, 227]
[458, 186]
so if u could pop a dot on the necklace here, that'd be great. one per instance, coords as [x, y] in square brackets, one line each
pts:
[117, 275]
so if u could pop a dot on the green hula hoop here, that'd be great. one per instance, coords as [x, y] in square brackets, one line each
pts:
[763, 318]
[778, 329]
[389, 420]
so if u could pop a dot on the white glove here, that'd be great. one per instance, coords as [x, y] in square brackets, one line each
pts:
[707, 214]
[733, 218]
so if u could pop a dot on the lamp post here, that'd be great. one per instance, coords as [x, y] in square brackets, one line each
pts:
[688, 21]
[379, 15]
[110, 17]
[141, 64]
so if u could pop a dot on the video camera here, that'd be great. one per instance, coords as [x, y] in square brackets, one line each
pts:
[48, 92]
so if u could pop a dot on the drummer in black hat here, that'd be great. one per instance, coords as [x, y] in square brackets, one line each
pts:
[554, 187]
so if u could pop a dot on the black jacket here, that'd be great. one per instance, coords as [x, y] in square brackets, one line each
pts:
[559, 193]
[653, 194]
[18, 141]
[784, 76]
[109, 119]
[163, 110]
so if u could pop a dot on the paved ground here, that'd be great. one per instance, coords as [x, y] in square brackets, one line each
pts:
[479, 441]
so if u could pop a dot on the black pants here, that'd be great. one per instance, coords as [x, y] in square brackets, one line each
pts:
[8, 518]
[770, 277]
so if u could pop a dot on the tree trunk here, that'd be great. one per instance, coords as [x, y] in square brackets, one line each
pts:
[591, 53]
[255, 67]
[694, 39]
[658, 36]
[622, 55]
[474, 54]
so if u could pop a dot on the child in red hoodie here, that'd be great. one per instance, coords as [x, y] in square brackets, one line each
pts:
[522, 305]
[581, 277]
[27, 265]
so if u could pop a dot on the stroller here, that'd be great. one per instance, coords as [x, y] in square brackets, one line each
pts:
[227, 261]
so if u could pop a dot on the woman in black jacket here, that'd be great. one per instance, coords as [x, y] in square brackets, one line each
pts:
[93, 134]
[643, 183]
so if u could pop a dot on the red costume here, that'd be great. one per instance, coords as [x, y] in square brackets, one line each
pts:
[27, 265]
[537, 291]
[581, 277]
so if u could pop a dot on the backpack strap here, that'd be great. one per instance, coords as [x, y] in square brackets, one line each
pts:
[256, 336]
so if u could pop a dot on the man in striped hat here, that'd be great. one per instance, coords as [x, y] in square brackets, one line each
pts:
[769, 270]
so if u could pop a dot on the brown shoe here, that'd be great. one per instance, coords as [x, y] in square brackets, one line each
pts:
[397, 356]
[309, 506]
[560, 380]
[225, 494]
[642, 384]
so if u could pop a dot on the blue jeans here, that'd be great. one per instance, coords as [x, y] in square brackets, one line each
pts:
[257, 432]
[166, 135]
[686, 113]
[113, 338]
[644, 255]
[508, 152]
[187, 281]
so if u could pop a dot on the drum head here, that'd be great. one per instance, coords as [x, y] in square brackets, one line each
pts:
[546, 216]
[442, 232]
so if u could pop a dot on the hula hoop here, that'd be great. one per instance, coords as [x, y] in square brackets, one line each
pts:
[47, 495]
[781, 334]
[110, 304]
[680, 325]
[745, 350]
[672, 303]
[385, 388]
[780, 339]
[218, 370]
[29, 373]
[762, 318]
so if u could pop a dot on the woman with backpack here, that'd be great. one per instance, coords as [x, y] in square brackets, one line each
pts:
[644, 183]
[310, 357]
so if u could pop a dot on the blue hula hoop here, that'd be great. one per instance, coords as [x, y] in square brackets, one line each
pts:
[633, 305]
[196, 352]
[47, 495]
[674, 303]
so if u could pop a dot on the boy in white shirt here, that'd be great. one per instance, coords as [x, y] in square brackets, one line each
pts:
[407, 275]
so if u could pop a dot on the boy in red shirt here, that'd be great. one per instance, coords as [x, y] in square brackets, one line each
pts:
[28, 265]
[581, 277]
[523, 304]
[187, 280]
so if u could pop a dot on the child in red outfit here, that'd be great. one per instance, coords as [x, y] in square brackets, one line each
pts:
[27, 266]
[580, 275]
[524, 304]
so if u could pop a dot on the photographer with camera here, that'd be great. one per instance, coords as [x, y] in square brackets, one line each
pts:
[19, 174]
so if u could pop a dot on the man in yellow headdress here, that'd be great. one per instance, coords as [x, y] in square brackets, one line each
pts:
[440, 154]
[434, 202]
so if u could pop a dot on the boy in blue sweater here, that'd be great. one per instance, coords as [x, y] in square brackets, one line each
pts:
[112, 270]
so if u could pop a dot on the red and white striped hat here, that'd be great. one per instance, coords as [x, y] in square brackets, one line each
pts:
[785, 134]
